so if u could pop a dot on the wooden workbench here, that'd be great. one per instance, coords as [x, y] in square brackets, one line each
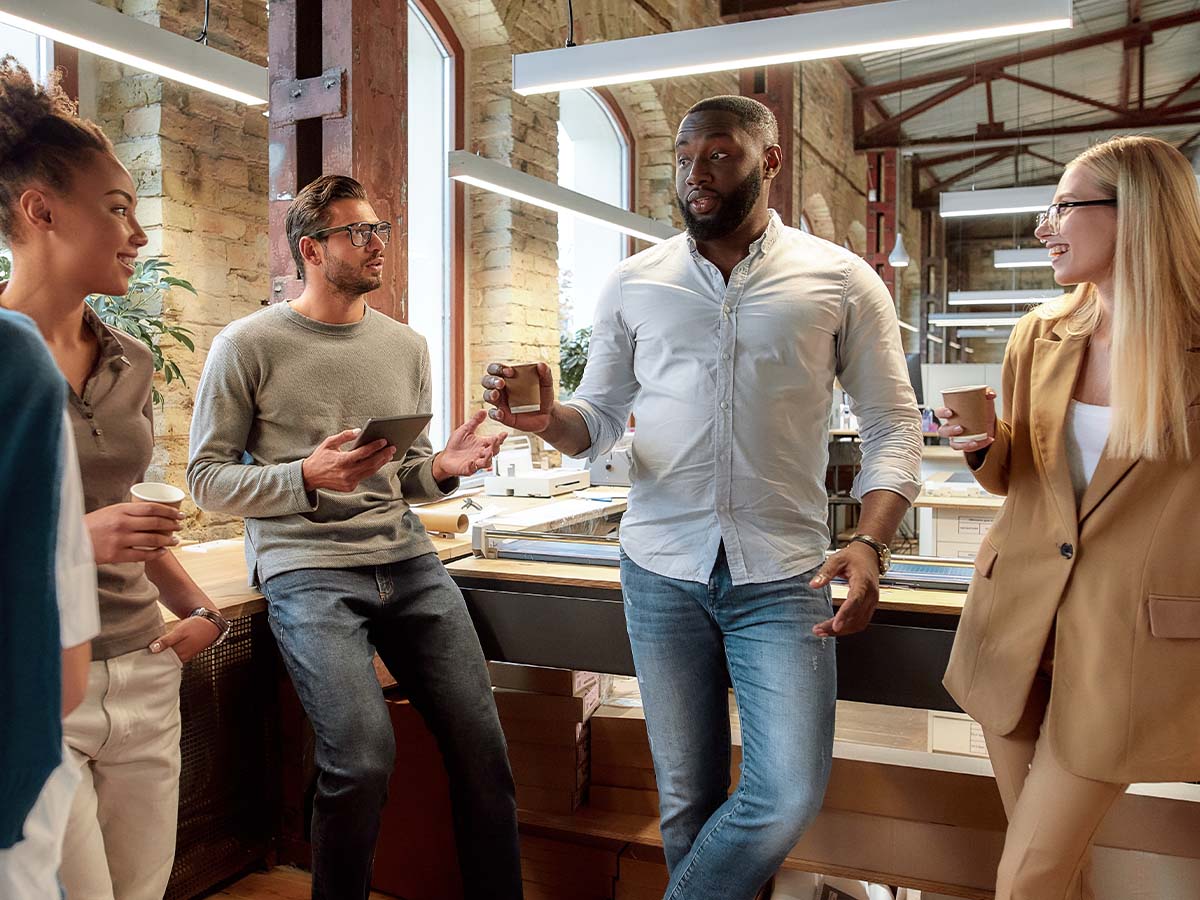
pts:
[609, 578]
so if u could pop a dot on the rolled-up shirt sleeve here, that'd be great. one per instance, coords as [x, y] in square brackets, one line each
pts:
[609, 386]
[872, 369]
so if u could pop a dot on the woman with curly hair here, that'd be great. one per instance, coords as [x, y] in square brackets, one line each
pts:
[68, 211]
[1079, 646]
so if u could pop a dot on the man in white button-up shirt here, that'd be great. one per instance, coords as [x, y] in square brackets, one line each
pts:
[725, 342]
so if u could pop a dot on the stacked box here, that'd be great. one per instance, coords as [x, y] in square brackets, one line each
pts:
[544, 713]
[562, 870]
[622, 765]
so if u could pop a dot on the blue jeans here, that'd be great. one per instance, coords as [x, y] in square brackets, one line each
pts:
[690, 641]
[328, 624]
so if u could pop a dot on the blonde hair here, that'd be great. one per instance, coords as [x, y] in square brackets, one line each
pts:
[1156, 281]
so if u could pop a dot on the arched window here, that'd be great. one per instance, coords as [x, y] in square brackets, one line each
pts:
[434, 208]
[805, 225]
[594, 155]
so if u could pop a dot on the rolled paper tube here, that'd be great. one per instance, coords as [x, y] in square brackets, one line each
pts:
[444, 521]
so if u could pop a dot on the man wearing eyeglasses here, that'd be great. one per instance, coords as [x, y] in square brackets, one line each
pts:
[345, 566]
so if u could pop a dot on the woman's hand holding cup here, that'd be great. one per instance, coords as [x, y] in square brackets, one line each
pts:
[968, 417]
[138, 531]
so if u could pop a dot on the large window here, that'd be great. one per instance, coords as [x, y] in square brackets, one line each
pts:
[430, 215]
[593, 159]
[35, 53]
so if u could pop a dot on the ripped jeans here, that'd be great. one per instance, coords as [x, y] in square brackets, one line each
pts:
[690, 642]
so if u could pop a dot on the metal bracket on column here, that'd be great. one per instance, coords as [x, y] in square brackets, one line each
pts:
[309, 98]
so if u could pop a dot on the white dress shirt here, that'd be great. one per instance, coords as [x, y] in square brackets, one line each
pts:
[731, 386]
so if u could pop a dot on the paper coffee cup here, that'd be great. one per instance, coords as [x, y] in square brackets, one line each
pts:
[157, 492]
[970, 406]
[524, 389]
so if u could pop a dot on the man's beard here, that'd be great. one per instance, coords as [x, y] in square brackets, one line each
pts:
[350, 280]
[731, 213]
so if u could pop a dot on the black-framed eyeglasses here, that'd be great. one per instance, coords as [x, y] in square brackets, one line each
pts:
[360, 232]
[1053, 215]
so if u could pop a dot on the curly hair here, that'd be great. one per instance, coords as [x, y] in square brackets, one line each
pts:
[42, 138]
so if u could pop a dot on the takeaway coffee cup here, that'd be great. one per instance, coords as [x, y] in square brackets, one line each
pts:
[157, 492]
[970, 407]
[524, 389]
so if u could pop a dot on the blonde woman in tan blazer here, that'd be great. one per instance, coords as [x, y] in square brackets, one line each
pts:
[1079, 646]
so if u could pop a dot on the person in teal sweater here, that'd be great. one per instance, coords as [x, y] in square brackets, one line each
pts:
[32, 394]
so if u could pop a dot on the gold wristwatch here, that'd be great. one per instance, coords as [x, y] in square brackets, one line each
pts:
[882, 550]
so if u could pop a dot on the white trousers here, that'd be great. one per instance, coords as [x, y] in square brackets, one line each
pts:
[124, 736]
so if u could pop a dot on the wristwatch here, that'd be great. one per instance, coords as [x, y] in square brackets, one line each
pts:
[882, 550]
[222, 623]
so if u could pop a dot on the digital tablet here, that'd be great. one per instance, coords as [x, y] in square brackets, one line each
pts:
[399, 431]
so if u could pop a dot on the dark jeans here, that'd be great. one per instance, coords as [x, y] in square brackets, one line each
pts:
[329, 623]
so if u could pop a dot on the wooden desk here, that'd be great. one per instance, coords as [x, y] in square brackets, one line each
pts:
[219, 567]
[608, 578]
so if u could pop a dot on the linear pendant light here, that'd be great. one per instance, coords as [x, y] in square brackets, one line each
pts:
[140, 45]
[872, 28]
[996, 201]
[493, 176]
[1003, 298]
[976, 320]
[1032, 258]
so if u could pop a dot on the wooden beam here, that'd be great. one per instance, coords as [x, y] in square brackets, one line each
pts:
[775, 88]
[342, 99]
[1056, 49]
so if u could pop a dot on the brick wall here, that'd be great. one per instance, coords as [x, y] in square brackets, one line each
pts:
[200, 165]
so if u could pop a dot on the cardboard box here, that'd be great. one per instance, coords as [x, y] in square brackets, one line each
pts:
[541, 680]
[548, 732]
[525, 705]
[551, 767]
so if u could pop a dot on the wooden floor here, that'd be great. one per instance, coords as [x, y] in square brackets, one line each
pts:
[282, 883]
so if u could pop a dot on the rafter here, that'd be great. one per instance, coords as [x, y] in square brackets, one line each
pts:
[1137, 34]
[892, 124]
[1059, 92]
[1128, 121]
[1059, 48]
[973, 169]
[1183, 89]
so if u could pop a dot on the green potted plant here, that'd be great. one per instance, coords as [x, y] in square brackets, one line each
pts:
[573, 354]
[139, 312]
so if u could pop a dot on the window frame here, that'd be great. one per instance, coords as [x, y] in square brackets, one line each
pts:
[443, 31]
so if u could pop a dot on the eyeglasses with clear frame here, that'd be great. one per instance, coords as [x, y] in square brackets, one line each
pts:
[360, 232]
[1053, 215]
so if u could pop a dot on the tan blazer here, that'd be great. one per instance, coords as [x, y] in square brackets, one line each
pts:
[1118, 574]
